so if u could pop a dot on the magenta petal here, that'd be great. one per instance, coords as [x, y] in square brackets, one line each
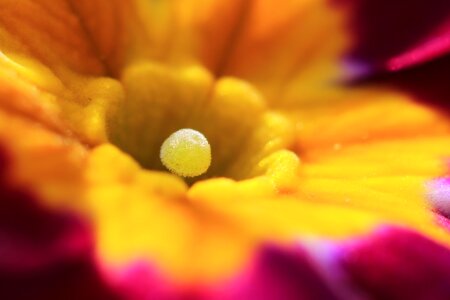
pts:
[393, 35]
[279, 274]
[139, 280]
[44, 254]
[428, 83]
[397, 263]
[32, 238]
[442, 221]
[435, 45]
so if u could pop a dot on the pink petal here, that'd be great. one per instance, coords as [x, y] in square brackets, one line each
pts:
[44, 254]
[438, 194]
[279, 274]
[396, 263]
[394, 35]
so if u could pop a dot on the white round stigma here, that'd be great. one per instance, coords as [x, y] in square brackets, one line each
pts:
[186, 153]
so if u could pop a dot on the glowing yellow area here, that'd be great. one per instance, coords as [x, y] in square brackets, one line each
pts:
[186, 153]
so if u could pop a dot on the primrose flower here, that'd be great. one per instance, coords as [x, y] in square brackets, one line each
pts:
[212, 149]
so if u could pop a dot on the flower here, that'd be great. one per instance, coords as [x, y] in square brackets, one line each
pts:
[317, 187]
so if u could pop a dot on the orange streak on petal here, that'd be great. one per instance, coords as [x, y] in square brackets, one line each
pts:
[55, 38]
[279, 46]
[364, 115]
[41, 161]
[83, 36]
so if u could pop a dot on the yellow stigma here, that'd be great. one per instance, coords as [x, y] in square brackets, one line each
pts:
[186, 152]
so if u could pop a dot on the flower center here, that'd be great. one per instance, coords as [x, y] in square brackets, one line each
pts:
[186, 153]
[159, 101]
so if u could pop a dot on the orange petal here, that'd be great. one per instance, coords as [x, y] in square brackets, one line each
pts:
[297, 45]
[89, 37]
[365, 115]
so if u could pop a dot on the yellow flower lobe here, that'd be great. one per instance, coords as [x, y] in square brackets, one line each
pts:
[186, 153]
